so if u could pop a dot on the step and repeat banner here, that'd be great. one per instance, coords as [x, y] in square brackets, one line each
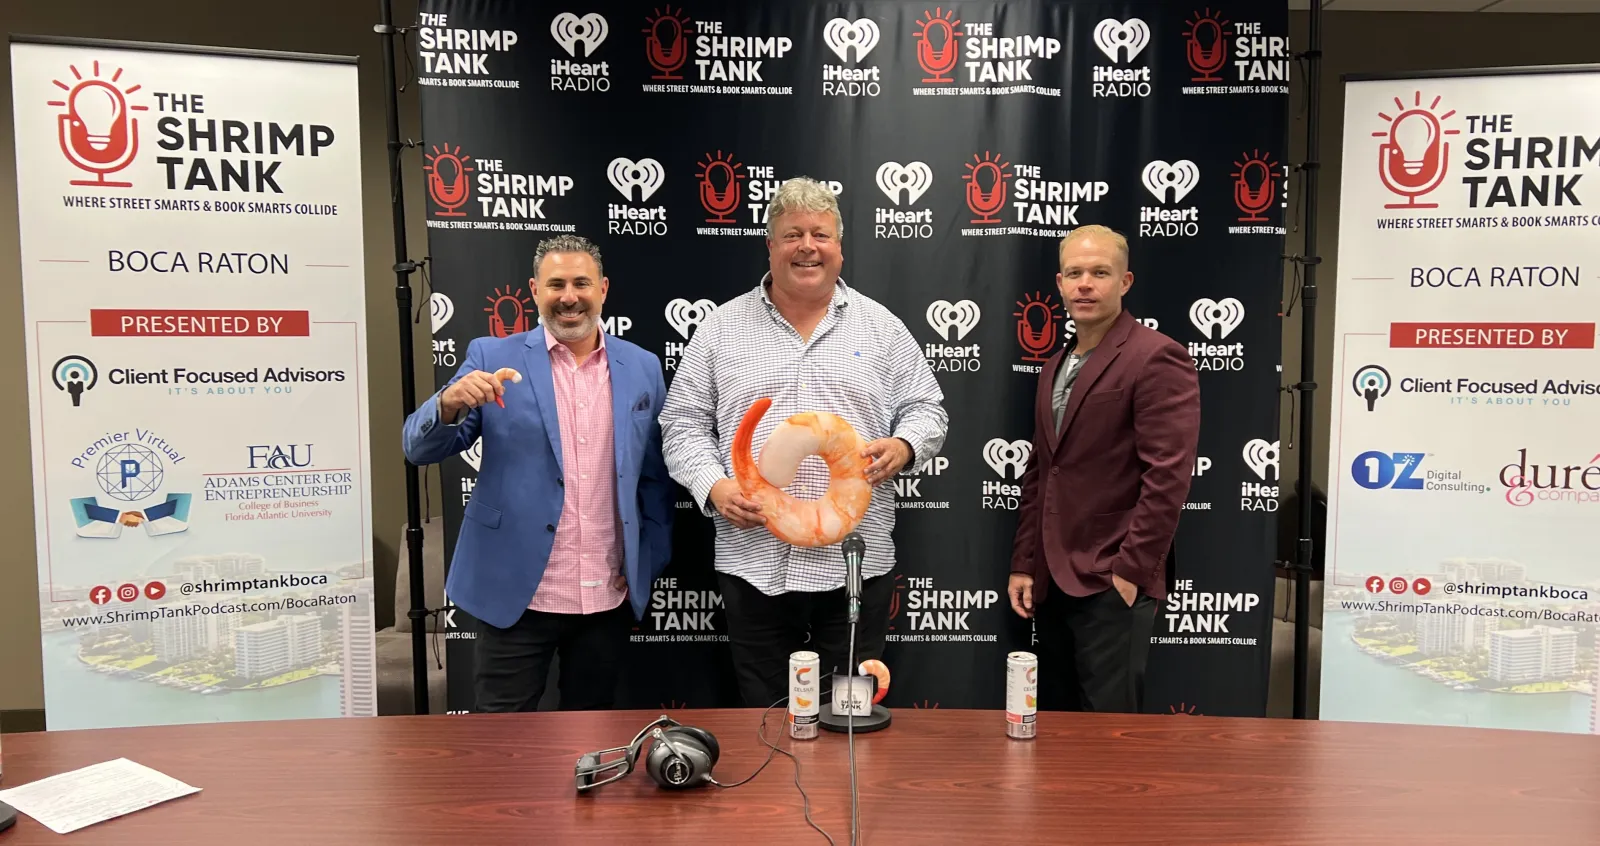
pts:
[194, 319]
[963, 142]
[1464, 475]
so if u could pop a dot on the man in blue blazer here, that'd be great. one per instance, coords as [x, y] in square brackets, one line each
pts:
[571, 518]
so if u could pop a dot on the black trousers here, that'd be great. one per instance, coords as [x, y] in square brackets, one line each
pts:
[763, 631]
[1093, 651]
[513, 664]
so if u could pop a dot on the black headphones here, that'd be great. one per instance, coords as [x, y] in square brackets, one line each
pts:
[680, 756]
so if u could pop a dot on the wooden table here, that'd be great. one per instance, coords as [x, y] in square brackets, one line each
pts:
[933, 777]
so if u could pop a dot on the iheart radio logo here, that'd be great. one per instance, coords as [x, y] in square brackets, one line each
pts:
[946, 317]
[569, 31]
[473, 455]
[1121, 40]
[1000, 454]
[1178, 178]
[842, 36]
[627, 174]
[97, 133]
[683, 315]
[913, 179]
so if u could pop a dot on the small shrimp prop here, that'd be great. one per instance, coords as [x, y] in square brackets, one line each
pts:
[874, 667]
[505, 373]
[818, 522]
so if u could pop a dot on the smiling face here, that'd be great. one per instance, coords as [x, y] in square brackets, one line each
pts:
[804, 253]
[1094, 276]
[570, 292]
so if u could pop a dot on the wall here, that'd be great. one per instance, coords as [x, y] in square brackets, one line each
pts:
[315, 26]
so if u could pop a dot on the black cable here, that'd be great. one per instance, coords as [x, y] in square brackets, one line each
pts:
[761, 732]
[850, 730]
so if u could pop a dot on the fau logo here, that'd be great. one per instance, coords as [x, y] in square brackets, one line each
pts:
[97, 132]
[280, 457]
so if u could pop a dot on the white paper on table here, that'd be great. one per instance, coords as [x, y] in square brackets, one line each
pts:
[78, 799]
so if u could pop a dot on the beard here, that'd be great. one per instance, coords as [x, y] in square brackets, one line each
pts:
[563, 331]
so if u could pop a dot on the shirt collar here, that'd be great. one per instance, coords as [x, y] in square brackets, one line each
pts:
[841, 291]
[550, 342]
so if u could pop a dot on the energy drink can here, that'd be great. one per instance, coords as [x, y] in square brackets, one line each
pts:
[805, 700]
[1022, 695]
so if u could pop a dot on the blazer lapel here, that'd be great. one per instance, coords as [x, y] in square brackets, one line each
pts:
[1090, 371]
[544, 390]
[1044, 415]
[621, 397]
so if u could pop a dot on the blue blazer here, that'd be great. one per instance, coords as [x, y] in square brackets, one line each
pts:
[510, 526]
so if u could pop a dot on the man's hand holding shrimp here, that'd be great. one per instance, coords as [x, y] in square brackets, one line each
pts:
[475, 389]
[740, 510]
[889, 456]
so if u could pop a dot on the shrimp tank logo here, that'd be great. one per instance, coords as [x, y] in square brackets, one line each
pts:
[1189, 611]
[1527, 483]
[684, 317]
[922, 613]
[1242, 56]
[1371, 383]
[1414, 156]
[1035, 201]
[449, 187]
[938, 39]
[953, 322]
[129, 469]
[1259, 183]
[681, 614]
[97, 130]
[992, 64]
[1038, 330]
[1002, 455]
[73, 375]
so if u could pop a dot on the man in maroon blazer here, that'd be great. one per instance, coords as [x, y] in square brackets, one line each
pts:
[1117, 424]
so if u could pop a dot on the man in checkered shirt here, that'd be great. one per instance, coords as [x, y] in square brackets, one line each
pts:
[811, 343]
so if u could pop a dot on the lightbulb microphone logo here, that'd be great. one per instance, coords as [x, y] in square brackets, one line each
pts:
[938, 45]
[508, 312]
[75, 374]
[1207, 44]
[1371, 383]
[97, 132]
[1183, 709]
[1255, 185]
[987, 183]
[720, 177]
[666, 42]
[569, 31]
[897, 600]
[448, 184]
[440, 310]
[1414, 158]
[1038, 322]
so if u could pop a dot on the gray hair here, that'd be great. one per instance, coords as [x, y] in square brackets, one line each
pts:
[568, 244]
[803, 194]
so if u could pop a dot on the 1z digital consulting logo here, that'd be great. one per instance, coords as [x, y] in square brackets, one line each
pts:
[580, 38]
[930, 614]
[844, 38]
[97, 130]
[994, 64]
[460, 52]
[953, 322]
[684, 317]
[1262, 459]
[642, 178]
[719, 57]
[904, 185]
[1234, 58]
[1169, 184]
[1034, 200]
[1121, 42]
[1216, 320]
[1002, 455]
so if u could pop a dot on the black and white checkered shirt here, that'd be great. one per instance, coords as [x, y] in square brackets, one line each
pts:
[861, 364]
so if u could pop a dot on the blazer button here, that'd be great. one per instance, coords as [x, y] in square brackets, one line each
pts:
[549, 527]
[1055, 471]
[561, 482]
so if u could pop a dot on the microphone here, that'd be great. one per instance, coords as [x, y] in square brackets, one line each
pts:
[1413, 160]
[1207, 60]
[664, 47]
[1038, 341]
[96, 132]
[854, 549]
[719, 202]
[986, 202]
[1253, 201]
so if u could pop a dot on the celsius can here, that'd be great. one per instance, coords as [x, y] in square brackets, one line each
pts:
[1022, 694]
[805, 701]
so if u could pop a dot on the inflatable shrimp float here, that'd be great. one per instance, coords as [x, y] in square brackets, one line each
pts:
[816, 522]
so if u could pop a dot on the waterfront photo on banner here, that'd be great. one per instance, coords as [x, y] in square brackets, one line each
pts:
[194, 315]
[963, 141]
[1463, 475]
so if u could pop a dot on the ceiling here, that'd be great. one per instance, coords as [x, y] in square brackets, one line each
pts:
[1515, 6]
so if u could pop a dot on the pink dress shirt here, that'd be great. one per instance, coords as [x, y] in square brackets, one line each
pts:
[587, 555]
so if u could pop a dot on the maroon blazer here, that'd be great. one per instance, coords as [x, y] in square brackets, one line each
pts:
[1103, 496]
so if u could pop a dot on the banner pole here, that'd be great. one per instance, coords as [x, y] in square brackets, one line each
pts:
[1308, 360]
[403, 269]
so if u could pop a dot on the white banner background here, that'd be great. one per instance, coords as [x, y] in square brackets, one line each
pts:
[200, 489]
[1464, 480]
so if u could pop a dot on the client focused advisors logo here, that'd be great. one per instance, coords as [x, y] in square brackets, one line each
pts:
[1002, 455]
[1526, 482]
[641, 179]
[953, 321]
[851, 41]
[73, 375]
[1021, 199]
[128, 467]
[683, 316]
[1038, 330]
[1262, 459]
[1121, 42]
[1259, 185]
[97, 129]
[580, 38]
[908, 490]
[904, 185]
[989, 64]
[680, 614]
[1216, 320]
[476, 57]
[1191, 611]
[1414, 156]
[1234, 57]
[1169, 184]
[1371, 383]
[923, 613]
[449, 186]
[723, 63]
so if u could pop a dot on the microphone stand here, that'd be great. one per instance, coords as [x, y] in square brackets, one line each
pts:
[852, 581]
